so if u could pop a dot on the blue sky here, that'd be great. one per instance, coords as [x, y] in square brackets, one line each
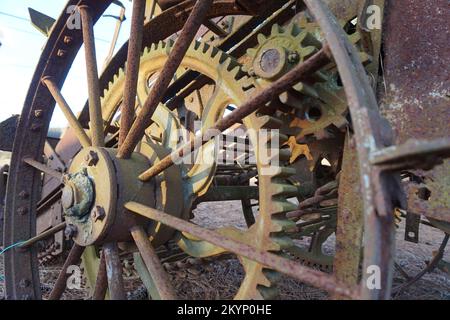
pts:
[22, 45]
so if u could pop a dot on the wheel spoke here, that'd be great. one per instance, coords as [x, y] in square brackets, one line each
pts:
[114, 271]
[153, 264]
[159, 88]
[42, 167]
[132, 69]
[101, 283]
[43, 235]
[297, 74]
[73, 259]
[95, 111]
[272, 261]
[67, 111]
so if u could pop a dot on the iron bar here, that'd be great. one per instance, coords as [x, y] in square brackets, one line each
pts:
[43, 235]
[67, 111]
[297, 74]
[101, 283]
[270, 260]
[72, 259]
[114, 271]
[159, 275]
[95, 111]
[159, 88]
[42, 167]
[132, 69]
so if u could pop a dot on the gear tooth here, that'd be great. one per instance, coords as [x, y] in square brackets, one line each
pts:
[308, 52]
[268, 293]
[281, 206]
[276, 29]
[251, 52]
[268, 122]
[284, 172]
[272, 275]
[340, 122]
[285, 154]
[283, 225]
[306, 90]
[355, 37]
[283, 242]
[321, 76]
[223, 57]
[170, 42]
[237, 72]
[283, 189]
[261, 38]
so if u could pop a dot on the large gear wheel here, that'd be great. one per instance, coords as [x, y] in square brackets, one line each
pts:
[233, 88]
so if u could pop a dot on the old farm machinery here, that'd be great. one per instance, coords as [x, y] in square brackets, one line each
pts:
[360, 141]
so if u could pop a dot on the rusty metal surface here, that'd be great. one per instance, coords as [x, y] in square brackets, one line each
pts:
[132, 69]
[114, 272]
[101, 281]
[350, 220]
[314, 63]
[159, 88]
[160, 277]
[283, 265]
[416, 93]
[61, 282]
[380, 192]
[8, 132]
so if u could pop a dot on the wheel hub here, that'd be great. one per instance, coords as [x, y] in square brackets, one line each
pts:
[95, 189]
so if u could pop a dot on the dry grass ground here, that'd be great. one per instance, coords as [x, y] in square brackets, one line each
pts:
[220, 279]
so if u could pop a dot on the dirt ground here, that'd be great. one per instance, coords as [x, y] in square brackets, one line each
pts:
[220, 279]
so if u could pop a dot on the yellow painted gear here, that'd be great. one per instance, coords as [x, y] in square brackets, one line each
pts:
[234, 87]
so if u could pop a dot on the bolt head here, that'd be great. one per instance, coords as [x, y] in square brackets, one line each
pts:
[293, 57]
[70, 231]
[98, 213]
[91, 158]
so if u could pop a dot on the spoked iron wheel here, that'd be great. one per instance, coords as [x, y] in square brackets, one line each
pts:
[109, 194]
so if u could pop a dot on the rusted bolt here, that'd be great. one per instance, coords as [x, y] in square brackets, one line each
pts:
[61, 53]
[98, 213]
[36, 127]
[70, 231]
[22, 211]
[24, 283]
[67, 197]
[67, 40]
[293, 57]
[38, 113]
[23, 194]
[251, 72]
[91, 158]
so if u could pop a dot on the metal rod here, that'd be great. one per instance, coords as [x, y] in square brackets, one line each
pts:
[270, 260]
[101, 283]
[72, 259]
[120, 20]
[114, 271]
[153, 264]
[70, 116]
[42, 167]
[132, 69]
[297, 74]
[43, 235]
[95, 111]
[159, 88]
